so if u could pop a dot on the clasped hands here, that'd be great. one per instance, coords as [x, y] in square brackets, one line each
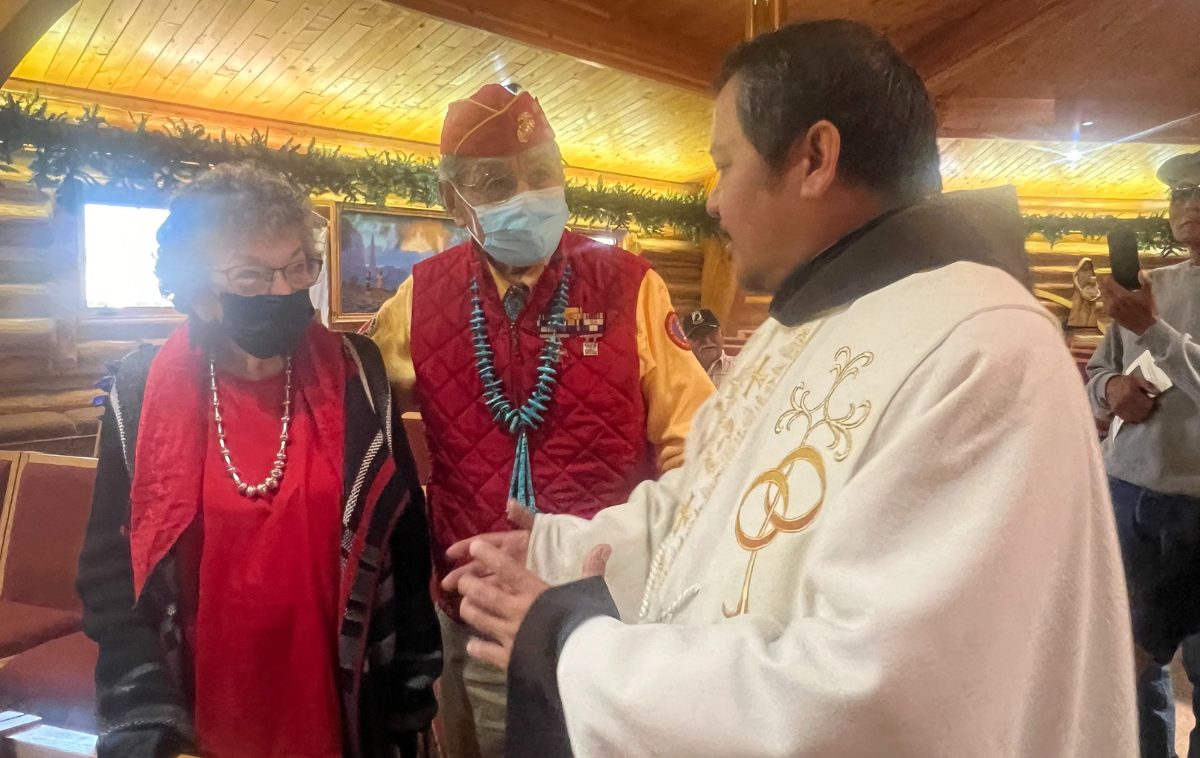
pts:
[496, 587]
[1131, 398]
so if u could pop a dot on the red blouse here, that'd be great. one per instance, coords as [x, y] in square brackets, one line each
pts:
[263, 621]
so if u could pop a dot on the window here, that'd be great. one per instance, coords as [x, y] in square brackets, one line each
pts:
[119, 246]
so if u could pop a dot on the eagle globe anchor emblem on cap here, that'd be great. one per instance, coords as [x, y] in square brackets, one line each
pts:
[525, 126]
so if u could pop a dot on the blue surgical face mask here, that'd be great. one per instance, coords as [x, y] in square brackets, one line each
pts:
[526, 228]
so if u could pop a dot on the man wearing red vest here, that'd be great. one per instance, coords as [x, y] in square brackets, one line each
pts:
[550, 369]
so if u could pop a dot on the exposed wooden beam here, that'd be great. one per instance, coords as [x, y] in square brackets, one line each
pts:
[584, 30]
[1063, 120]
[22, 24]
[995, 24]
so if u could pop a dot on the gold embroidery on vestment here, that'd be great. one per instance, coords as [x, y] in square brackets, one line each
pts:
[774, 481]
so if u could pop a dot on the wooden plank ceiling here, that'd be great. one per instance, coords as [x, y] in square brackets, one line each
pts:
[1129, 65]
[638, 105]
[362, 66]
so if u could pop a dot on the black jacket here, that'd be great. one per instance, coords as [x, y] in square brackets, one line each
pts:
[390, 646]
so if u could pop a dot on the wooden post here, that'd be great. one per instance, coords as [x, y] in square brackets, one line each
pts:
[719, 290]
[764, 16]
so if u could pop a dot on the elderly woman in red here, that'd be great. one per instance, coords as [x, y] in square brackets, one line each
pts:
[256, 568]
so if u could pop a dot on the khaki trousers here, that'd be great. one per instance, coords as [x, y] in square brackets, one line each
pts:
[474, 698]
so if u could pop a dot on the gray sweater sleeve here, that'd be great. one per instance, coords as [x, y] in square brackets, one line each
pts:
[1105, 363]
[1177, 355]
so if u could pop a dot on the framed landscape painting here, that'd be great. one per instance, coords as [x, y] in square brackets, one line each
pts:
[375, 252]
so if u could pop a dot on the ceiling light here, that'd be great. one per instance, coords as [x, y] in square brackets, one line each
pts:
[1074, 156]
[1087, 123]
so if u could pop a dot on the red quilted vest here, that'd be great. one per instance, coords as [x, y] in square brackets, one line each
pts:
[591, 450]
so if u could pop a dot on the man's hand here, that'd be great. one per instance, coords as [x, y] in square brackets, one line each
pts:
[1136, 311]
[1131, 398]
[497, 598]
[514, 544]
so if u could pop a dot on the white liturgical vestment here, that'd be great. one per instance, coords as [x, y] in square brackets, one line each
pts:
[891, 538]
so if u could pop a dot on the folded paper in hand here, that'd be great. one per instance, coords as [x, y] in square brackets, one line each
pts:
[1149, 370]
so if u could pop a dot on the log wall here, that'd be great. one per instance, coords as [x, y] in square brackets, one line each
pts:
[52, 350]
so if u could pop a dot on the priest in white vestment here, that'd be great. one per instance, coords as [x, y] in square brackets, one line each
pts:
[892, 536]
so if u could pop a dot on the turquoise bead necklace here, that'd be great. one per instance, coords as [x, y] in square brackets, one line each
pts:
[520, 421]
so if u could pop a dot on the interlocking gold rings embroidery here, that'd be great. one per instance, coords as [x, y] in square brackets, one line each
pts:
[776, 499]
[775, 482]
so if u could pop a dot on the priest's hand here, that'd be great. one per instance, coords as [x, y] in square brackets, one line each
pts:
[1131, 398]
[1136, 310]
[497, 598]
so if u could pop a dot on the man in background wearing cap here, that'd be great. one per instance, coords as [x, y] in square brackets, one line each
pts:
[703, 331]
[550, 370]
[1153, 455]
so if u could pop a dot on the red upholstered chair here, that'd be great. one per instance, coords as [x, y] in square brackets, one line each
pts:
[40, 540]
[56, 681]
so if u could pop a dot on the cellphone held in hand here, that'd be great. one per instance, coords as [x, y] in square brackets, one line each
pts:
[1123, 257]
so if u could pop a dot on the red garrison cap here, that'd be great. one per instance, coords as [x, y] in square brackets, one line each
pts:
[494, 123]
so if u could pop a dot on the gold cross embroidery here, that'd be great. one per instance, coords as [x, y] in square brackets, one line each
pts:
[758, 376]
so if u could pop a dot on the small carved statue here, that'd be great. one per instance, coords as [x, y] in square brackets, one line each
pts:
[1085, 303]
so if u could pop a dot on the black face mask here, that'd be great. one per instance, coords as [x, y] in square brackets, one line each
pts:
[267, 325]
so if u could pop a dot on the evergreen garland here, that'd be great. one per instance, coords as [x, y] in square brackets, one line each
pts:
[70, 151]
[1153, 231]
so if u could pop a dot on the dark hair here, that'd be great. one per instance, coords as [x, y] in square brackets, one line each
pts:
[850, 75]
[233, 199]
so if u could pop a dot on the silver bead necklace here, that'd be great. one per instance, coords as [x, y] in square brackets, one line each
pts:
[272, 482]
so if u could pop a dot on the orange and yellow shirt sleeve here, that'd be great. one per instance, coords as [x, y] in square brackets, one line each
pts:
[673, 383]
[393, 334]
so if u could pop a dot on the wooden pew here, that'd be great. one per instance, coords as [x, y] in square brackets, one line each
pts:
[41, 534]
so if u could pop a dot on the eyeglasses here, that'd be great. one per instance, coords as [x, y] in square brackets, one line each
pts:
[258, 280]
[500, 180]
[1185, 193]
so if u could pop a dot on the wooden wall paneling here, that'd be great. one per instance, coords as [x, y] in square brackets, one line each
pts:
[38, 59]
[245, 46]
[426, 66]
[182, 42]
[87, 18]
[719, 287]
[219, 40]
[130, 38]
[344, 36]
[432, 65]
[419, 95]
[362, 88]
[336, 24]
[270, 44]
[316, 85]
[498, 62]
[168, 25]
[380, 81]
[358, 68]
[117, 15]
